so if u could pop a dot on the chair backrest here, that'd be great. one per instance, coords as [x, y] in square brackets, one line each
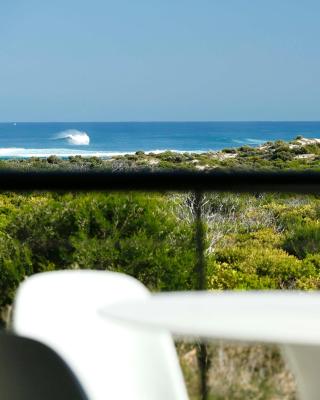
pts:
[29, 370]
[111, 359]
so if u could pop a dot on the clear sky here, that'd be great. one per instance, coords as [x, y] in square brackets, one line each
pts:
[142, 60]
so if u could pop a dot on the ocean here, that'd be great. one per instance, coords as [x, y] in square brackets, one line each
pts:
[111, 138]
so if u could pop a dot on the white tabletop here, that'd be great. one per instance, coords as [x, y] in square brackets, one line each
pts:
[274, 317]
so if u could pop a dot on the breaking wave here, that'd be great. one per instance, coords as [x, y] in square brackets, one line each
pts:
[74, 137]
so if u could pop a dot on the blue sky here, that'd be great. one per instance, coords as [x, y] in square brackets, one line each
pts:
[142, 60]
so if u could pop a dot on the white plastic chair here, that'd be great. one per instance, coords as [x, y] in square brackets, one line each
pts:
[114, 335]
[111, 359]
[289, 319]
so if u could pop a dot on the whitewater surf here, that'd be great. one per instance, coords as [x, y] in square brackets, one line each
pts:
[74, 137]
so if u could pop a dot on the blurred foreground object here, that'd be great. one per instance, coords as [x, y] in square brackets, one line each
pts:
[111, 359]
[29, 370]
[116, 337]
[289, 319]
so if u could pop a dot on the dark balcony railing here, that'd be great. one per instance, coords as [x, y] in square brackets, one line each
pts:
[303, 182]
[218, 181]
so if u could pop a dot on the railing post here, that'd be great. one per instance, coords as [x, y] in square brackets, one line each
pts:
[201, 284]
[200, 243]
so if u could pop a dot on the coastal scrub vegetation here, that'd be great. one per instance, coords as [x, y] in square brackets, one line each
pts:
[301, 154]
[265, 241]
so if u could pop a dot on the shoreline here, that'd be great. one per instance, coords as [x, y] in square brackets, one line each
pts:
[21, 153]
[16, 153]
[300, 153]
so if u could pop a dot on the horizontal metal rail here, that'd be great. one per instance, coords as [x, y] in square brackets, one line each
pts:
[223, 181]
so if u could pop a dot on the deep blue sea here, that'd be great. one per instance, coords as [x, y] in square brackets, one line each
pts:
[105, 139]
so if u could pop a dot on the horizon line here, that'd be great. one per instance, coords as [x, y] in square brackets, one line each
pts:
[154, 121]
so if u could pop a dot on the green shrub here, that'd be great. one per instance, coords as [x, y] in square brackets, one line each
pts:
[313, 261]
[303, 239]
[251, 266]
[229, 151]
[15, 265]
[282, 155]
[135, 233]
[54, 160]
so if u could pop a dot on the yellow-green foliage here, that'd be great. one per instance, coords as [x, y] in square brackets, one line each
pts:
[256, 261]
[303, 238]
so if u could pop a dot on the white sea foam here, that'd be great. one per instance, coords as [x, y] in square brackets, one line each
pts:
[27, 153]
[20, 152]
[255, 141]
[74, 137]
[249, 140]
[176, 151]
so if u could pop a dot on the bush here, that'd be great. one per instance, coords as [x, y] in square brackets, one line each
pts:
[253, 266]
[303, 239]
[54, 160]
[229, 151]
[15, 264]
[131, 233]
[282, 155]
